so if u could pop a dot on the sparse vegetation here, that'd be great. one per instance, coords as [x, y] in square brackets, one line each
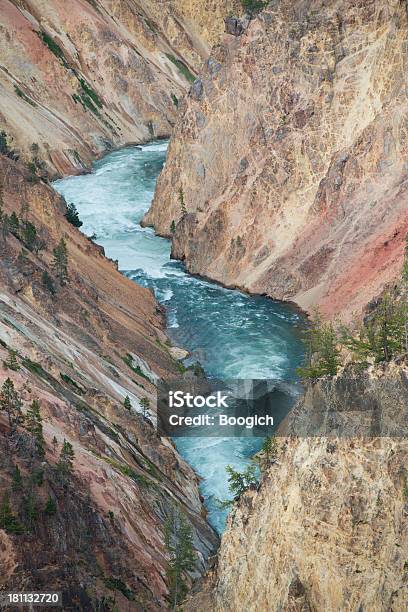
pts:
[268, 452]
[323, 355]
[72, 215]
[182, 202]
[5, 148]
[127, 471]
[17, 479]
[128, 359]
[22, 229]
[10, 402]
[382, 337]
[90, 93]
[185, 71]
[34, 426]
[127, 403]
[48, 282]
[239, 482]
[60, 262]
[253, 6]
[8, 521]
[11, 363]
[145, 404]
[23, 96]
[115, 584]
[179, 544]
[53, 47]
[65, 463]
[50, 508]
[69, 381]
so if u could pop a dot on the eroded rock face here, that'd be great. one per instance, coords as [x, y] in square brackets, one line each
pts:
[293, 160]
[79, 78]
[327, 529]
[82, 348]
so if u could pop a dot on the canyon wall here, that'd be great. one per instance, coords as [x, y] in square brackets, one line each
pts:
[287, 170]
[82, 346]
[79, 78]
[327, 528]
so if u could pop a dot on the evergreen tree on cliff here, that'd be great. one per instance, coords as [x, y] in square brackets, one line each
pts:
[65, 464]
[34, 425]
[179, 543]
[11, 362]
[10, 402]
[60, 261]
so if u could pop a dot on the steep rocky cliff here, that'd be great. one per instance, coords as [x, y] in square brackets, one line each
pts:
[290, 155]
[327, 529]
[81, 77]
[82, 346]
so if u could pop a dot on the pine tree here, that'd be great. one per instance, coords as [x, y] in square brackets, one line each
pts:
[34, 425]
[66, 458]
[179, 544]
[30, 510]
[72, 215]
[253, 6]
[8, 521]
[322, 354]
[50, 507]
[11, 362]
[269, 449]
[182, 202]
[17, 480]
[127, 403]
[48, 282]
[145, 404]
[384, 336]
[29, 236]
[239, 482]
[60, 261]
[13, 224]
[173, 227]
[10, 402]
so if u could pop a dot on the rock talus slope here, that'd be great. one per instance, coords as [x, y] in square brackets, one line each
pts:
[291, 154]
[81, 77]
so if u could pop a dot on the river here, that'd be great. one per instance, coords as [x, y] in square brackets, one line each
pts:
[231, 334]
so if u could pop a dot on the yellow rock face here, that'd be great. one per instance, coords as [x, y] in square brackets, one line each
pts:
[292, 156]
[327, 529]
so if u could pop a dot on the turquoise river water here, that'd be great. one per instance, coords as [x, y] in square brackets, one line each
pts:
[232, 335]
